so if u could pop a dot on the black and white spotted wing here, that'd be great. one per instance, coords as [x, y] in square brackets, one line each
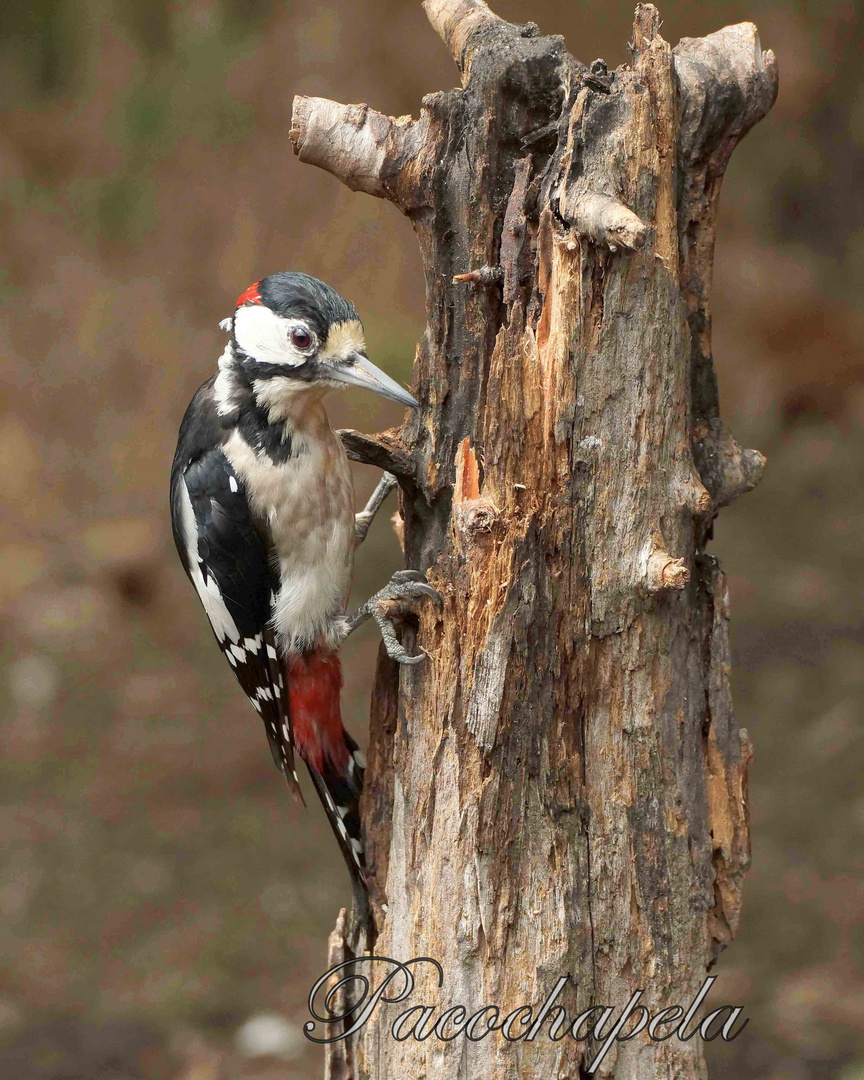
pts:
[228, 561]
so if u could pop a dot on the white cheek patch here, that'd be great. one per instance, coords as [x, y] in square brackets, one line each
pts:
[261, 334]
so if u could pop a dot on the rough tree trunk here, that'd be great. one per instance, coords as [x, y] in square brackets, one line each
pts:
[561, 788]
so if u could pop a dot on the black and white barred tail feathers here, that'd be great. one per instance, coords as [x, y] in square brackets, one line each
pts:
[340, 796]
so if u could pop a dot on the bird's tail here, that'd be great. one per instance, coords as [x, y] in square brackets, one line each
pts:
[335, 763]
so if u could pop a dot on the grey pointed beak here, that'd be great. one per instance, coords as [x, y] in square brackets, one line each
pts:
[360, 371]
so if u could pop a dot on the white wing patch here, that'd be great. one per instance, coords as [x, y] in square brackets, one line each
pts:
[220, 617]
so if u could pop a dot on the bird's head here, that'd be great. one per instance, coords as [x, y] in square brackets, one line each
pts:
[292, 333]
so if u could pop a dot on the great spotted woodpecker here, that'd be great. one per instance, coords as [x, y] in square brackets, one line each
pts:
[262, 507]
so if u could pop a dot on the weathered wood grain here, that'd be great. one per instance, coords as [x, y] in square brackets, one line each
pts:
[561, 788]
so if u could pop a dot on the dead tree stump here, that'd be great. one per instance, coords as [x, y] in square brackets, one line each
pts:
[562, 788]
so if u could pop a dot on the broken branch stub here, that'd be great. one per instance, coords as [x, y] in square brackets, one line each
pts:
[465, 26]
[665, 572]
[386, 451]
[571, 733]
[365, 149]
[727, 84]
[726, 470]
[605, 220]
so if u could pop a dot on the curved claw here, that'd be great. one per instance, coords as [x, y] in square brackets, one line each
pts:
[402, 657]
[418, 579]
[393, 601]
[391, 643]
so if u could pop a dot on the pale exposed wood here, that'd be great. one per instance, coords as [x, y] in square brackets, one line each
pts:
[338, 1062]
[562, 787]
[462, 25]
[603, 218]
[662, 571]
[366, 150]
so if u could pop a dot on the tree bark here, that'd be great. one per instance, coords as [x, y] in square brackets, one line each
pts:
[561, 789]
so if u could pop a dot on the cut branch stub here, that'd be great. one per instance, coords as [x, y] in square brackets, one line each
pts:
[662, 570]
[592, 168]
[464, 26]
[604, 220]
[485, 275]
[364, 149]
[727, 84]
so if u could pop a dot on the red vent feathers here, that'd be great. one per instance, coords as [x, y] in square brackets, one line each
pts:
[314, 681]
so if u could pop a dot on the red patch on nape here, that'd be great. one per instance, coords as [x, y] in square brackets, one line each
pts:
[314, 681]
[251, 296]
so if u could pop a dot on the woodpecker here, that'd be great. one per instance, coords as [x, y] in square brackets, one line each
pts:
[262, 509]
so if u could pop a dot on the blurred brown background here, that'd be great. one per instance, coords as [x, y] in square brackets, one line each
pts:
[158, 889]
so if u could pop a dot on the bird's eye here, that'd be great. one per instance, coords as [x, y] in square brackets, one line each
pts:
[301, 339]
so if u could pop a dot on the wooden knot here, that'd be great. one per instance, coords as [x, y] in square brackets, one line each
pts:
[673, 573]
[476, 516]
[693, 496]
[726, 470]
[662, 570]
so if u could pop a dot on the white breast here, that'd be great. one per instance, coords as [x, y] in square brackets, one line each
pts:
[308, 502]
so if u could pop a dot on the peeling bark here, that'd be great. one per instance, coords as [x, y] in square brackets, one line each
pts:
[561, 788]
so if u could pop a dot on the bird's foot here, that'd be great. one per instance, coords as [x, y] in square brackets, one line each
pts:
[390, 604]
